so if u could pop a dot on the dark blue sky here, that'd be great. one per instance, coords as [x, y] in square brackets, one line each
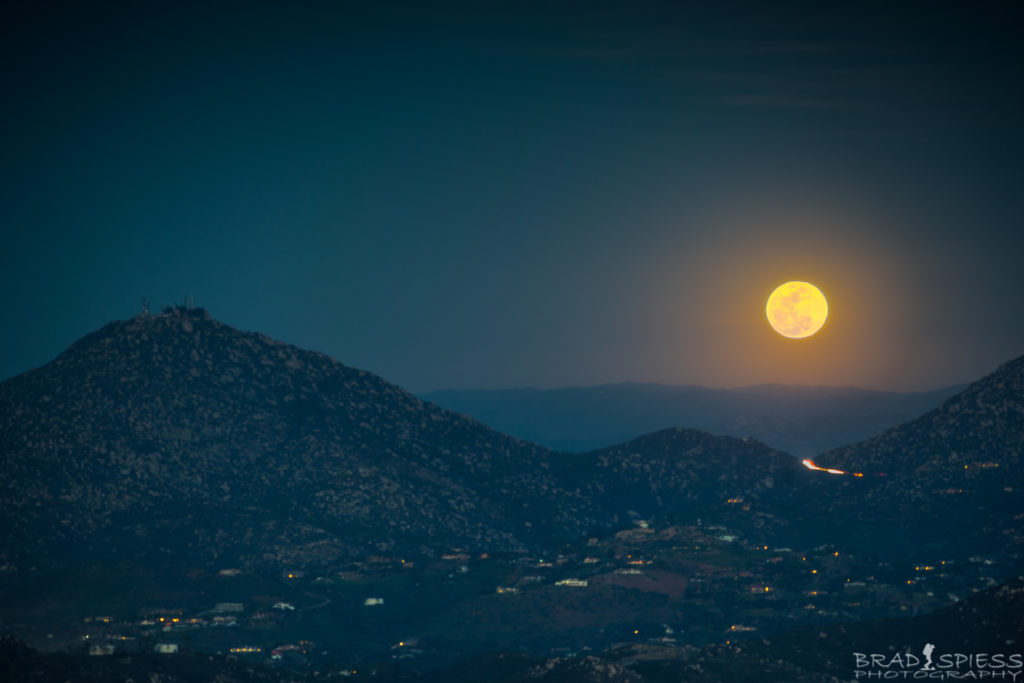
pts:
[525, 193]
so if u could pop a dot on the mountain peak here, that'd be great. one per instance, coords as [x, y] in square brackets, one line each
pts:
[162, 416]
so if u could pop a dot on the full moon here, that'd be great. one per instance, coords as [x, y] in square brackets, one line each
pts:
[796, 309]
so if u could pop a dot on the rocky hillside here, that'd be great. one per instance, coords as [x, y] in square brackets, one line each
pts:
[955, 474]
[176, 425]
[686, 474]
[981, 425]
[177, 433]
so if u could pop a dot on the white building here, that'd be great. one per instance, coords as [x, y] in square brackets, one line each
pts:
[572, 582]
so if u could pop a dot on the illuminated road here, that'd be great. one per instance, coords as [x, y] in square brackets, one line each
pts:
[809, 464]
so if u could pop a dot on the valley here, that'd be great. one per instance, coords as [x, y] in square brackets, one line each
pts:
[177, 487]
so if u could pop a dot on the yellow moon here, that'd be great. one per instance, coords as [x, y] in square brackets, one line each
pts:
[796, 309]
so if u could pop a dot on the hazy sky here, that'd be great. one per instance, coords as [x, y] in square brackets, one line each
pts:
[516, 194]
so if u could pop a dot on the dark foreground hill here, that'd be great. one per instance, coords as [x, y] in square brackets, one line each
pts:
[800, 420]
[978, 428]
[176, 430]
[954, 476]
[179, 433]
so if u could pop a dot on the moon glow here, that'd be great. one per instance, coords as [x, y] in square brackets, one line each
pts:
[796, 309]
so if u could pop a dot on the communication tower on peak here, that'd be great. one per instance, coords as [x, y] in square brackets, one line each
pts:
[145, 305]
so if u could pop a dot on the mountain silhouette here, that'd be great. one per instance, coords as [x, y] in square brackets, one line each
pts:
[176, 431]
[176, 426]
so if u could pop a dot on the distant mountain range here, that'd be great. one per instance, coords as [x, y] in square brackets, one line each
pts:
[800, 420]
